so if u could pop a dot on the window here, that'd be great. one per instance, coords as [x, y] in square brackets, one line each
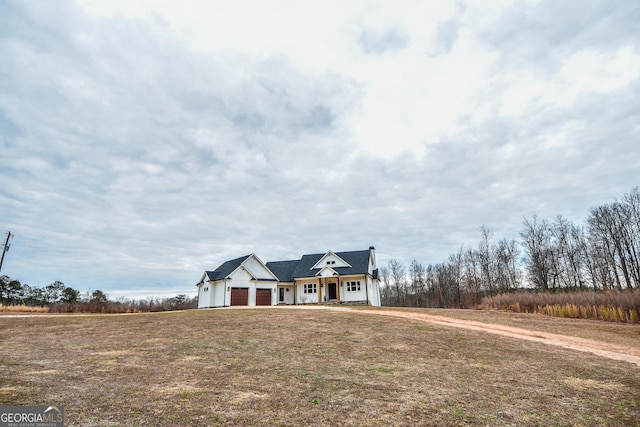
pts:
[310, 288]
[353, 286]
[206, 289]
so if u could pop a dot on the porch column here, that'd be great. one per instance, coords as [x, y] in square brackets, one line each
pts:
[338, 289]
[319, 290]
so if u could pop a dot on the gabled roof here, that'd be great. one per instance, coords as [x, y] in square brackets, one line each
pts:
[329, 254]
[287, 271]
[332, 271]
[226, 268]
[358, 260]
[283, 269]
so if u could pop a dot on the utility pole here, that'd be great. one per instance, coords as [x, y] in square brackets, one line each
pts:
[5, 247]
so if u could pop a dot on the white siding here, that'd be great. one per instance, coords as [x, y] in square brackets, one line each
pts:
[303, 298]
[218, 294]
[346, 295]
[374, 291]
[240, 275]
[257, 268]
[330, 260]
[204, 297]
[213, 296]
[327, 272]
[287, 291]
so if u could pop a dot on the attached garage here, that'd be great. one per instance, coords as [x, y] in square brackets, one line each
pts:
[239, 296]
[263, 296]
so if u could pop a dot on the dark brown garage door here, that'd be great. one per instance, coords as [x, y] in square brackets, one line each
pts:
[263, 296]
[239, 296]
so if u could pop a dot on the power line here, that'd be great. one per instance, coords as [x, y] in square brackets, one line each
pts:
[6, 247]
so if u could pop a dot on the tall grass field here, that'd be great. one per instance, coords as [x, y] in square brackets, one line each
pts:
[612, 306]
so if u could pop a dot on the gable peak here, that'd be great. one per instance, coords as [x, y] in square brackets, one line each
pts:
[330, 259]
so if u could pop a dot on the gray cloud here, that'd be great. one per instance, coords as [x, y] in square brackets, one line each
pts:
[387, 40]
[130, 163]
[542, 34]
[137, 161]
[445, 38]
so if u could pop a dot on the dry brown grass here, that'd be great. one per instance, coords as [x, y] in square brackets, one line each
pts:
[627, 335]
[22, 309]
[302, 367]
[611, 306]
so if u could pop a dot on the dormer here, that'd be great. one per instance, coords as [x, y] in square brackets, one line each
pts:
[330, 260]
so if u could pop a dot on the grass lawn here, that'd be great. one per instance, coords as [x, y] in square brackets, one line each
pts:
[622, 334]
[306, 367]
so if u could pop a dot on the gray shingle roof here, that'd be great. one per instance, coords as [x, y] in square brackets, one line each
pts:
[287, 271]
[358, 260]
[226, 268]
[283, 269]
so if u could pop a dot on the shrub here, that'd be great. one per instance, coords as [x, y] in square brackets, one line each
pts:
[22, 309]
[615, 306]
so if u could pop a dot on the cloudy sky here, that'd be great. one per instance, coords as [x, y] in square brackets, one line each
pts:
[144, 142]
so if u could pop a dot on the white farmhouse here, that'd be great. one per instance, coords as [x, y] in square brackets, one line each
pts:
[340, 277]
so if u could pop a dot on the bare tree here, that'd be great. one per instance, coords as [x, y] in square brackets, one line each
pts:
[485, 259]
[456, 263]
[603, 254]
[398, 278]
[418, 283]
[631, 203]
[471, 275]
[386, 288]
[508, 274]
[539, 252]
[605, 232]
[571, 253]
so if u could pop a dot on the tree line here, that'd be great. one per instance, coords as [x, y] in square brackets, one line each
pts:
[550, 256]
[60, 298]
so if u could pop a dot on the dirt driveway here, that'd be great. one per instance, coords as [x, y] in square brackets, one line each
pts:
[603, 349]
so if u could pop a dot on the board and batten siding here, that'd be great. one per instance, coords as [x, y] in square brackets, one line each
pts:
[218, 296]
[353, 296]
[374, 292]
[303, 298]
[213, 296]
[204, 296]
[287, 292]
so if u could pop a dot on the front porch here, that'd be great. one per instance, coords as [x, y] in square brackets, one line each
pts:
[328, 289]
[321, 290]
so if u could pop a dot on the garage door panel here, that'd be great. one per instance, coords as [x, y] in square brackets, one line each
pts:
[263, 296]
[239, 296]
